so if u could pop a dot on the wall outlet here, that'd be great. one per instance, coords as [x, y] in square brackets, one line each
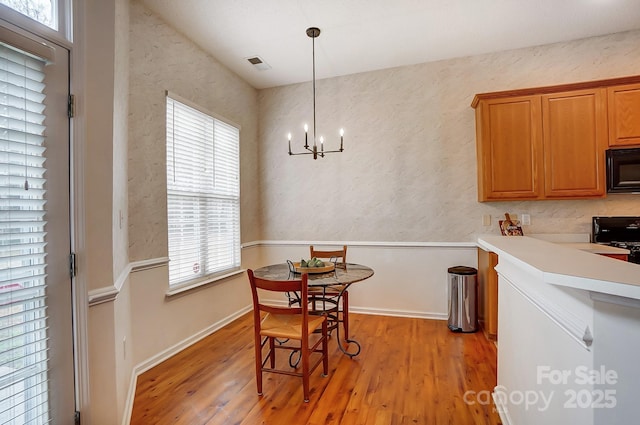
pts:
[526, 220]
[486, 220]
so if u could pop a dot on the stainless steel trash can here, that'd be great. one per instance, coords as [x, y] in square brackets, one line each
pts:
[463, 312]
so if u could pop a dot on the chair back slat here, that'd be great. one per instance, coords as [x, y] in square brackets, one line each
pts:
[338, 253]
[278, 286]
[279, 310]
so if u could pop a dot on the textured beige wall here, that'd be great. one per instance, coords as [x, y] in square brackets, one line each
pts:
[96, 251]
[408, 172]
[162, 59]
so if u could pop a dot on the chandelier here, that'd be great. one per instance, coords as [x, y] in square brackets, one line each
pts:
[314, 32]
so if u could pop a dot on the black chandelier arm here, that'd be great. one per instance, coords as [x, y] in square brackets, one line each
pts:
[310, 149]
[300, 153]
[314, 150]
[316, 153]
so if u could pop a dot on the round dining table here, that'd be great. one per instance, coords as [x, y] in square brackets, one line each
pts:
[338, 279]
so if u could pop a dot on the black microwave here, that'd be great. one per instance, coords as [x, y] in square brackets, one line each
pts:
[623, 170]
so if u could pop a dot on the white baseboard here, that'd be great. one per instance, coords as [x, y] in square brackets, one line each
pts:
[131, 395]
[384, 312]
[398, 313]
[169, 352]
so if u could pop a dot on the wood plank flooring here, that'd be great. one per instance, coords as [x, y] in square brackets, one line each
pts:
[410, 371]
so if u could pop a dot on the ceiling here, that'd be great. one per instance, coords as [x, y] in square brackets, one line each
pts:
[365, 35]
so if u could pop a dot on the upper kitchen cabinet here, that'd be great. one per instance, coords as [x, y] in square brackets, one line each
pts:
[509, 149]
[574, 140]
[624, 115]
[550, 142]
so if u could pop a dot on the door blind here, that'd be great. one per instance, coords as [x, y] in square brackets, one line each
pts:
[23, 318]
[203, 194]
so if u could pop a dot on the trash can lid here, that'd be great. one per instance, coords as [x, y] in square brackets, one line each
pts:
[462, 270]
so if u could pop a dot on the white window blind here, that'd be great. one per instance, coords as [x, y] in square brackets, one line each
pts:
[23, 319]
[203, 194]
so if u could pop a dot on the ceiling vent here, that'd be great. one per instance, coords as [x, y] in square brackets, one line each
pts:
[258, 63]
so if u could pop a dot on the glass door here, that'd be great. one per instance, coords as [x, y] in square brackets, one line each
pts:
[36, 330]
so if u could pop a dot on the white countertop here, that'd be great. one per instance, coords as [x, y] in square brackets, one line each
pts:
[564, 265]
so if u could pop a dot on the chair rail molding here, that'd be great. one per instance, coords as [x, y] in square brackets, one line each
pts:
[110, 293]
[383, 244]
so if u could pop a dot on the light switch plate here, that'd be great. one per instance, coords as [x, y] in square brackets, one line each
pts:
[526, 219]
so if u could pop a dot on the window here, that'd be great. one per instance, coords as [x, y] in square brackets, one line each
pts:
[49, 18]
[23, 318]
[43, 11]
[203, 194]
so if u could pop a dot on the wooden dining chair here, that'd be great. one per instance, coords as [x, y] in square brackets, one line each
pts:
[331, 294]
[291, 324]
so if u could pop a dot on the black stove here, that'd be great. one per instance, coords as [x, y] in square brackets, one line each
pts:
[625, 245]
[621, 232]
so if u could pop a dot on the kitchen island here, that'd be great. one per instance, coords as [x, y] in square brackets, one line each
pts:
[569, 334]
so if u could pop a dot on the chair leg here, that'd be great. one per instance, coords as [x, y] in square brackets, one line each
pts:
[345, 313]
[312, 299]
[325, 349]
[258, 356]
[305, 369]
[272, 352]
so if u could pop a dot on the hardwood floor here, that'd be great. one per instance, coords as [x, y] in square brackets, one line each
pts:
[410, 371]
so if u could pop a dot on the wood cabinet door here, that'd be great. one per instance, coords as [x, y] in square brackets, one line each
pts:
[509, 148]
[574, 139]
[624, 115]
[488, 293]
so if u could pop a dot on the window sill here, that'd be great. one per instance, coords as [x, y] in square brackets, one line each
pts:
[180, 289]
